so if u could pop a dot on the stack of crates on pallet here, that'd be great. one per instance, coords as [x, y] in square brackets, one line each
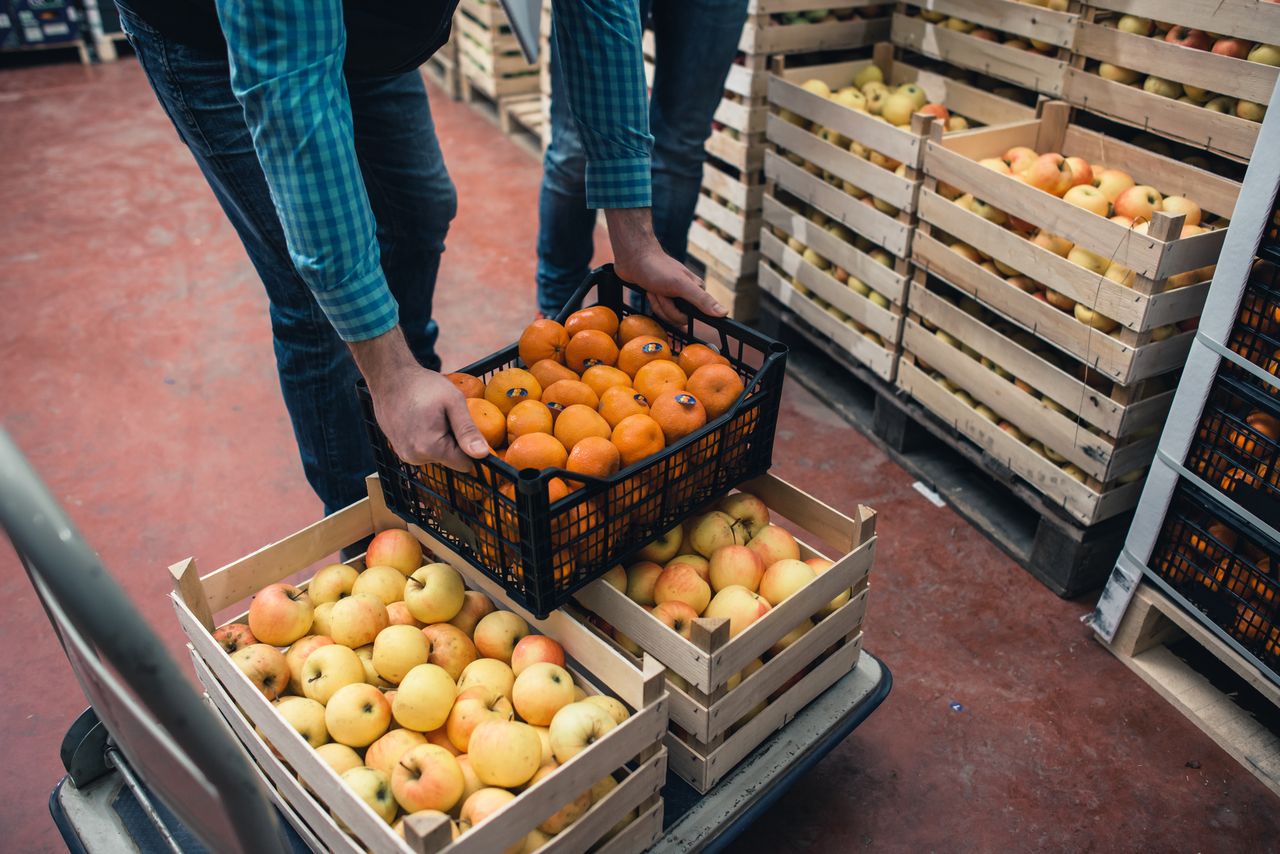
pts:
[489, 54]
[441, 68]
[842, 184]
[1154, 65]
[1072, 316]
[725, 234]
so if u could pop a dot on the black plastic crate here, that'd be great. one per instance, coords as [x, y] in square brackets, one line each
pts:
[1256, 333]
[1220, 564]
[1235, 449]
[1269, 248]
[504, 521]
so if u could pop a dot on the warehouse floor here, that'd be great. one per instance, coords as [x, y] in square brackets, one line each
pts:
[138, 376]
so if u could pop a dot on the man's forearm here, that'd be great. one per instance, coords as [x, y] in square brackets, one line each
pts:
[384, 358]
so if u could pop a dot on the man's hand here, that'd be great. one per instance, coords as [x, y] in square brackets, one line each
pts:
[639, 259]
[423, 415]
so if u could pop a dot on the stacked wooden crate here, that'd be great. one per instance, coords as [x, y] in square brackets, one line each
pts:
[725, 234]
[441, 68]
[489, 54]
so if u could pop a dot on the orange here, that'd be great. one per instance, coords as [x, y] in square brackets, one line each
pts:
[510, 386]
[536, 451]
[601, 377]
[471, 387]
[658, 377]
[696, 355]
[679, 414]
[635, 325]
[599, 317]
[718, 387]
[528, 416]
[637, 437]
[617, 403]
[543, 339]
[577, 422]
[548, 372]
[590, 347]
[568, 392]
[594, 455]
[642, 350]
[490, 421]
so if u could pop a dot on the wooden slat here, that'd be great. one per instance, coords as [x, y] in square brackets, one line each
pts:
[899, 144]
[1255, 20]
[1023, 19]
[809, 38]
[876, 180]
[733, 260]
[637, 836]
[604, 814]
[842, 533]
[1026, 69]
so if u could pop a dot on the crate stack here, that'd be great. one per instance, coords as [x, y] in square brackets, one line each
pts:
[1202, 559]
[725, 234]
[489, 55]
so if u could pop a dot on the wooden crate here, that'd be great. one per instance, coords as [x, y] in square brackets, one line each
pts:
[726, 227]
[1222, 133]
[715, 728]
[1154, 300]
[441, 68]
[521, 117]
[315, 796]
[1040, 72]
[489, 53]
[766, 34]
[741, 297]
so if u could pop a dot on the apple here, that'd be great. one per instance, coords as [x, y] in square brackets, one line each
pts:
[329, 668]
[1139, 203]
[332, 583]
[1233, 47]
[395, 548]
[783, 578]
[1081, 171]
[1019, 158]
[868, 74]
[1117, 73]
[535, 648]
[357, 715]
[740, 606]
[483, 803]
[296, 656]
[820, 565]
[1050, 172]
[505, 753]
[816, 87]
[897, 108]
[365, 654]
[959, 25]
[440, 736]
[714, 530]
[384, 754]
[665, 547]
[988, 212]
[681, 583]
[374, 789]
[774, 544]
[497, 635]
[1112, 182]
[738, 565]
[424, 698]
[488, 671]
[384, 582]
[677, 616]
[576, 726]
[1134, 25]
[751, 513]
[641, 578]
[1267, 54]
[398, 614]
[234, 636]
[435, 593]
[695, 562]
[473, 707]
[957, 123]
[1175, 205]
[1121, 275]
[541, 690]
[938, 111]
[614, 707]
[320, 619]
[996, 164]
[1089, 198]
[356, 620]
[1163, 88]
[1093, 318]
[450, 648]
[306, 717]
[567, 814]
[1244, 109]
[1221, 104]
[616, 578]
[280, 614]
[851, 98]
[1195, 94]
[1187, 37]
[791, 637]
[470, 782]
[474, 606]
[399, 649]
[339, 757]
[1091, 261]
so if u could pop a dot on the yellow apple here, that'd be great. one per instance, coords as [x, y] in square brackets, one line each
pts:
[735, 565]
[265, 666]
[577, 726]
[396, 548]
[1174, 205]
[616, 578]
[1112, 182]
[666, 547]
[399, 649]
[328, 669]
[474, 706]
[398, 614]
[357, 715]
[614, 707]
[681, 583]
[427, 778]
[356, 620]
[331, 583]
[567, 814]
[868, 74]
[424, 698]
[450, 648]
[773, 544]
[740, 606]
[374, 789]
[488, 671]
[365, 654]
[1138, 203]
[474, 606]
[497, 634]
[483, 803]
[435, 593]
[339, 757]
[296, 656]
[1095, 319]
[1087, 197]
[506, 753]
[384, 754]
[320, 619]
[384, 582]
[532, 649]
[280, 614]
[791, 637]
[784, 578]
[541, 690]
[306, 716]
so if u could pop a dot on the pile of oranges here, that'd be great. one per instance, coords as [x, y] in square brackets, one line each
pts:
[598, 394]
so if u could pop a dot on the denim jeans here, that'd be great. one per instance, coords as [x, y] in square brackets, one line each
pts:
[412, 198]
[695, 42]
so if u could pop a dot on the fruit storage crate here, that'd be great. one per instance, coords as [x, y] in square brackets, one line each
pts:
[489, 54]
[1222, 133]
[713, 727]
[766, 31]
[1128, 353]
[501, 520]
[324, 810]
[1256, 333]
[1217, 562]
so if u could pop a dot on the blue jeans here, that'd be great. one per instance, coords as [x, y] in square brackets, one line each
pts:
[695, 42]
[413, 201]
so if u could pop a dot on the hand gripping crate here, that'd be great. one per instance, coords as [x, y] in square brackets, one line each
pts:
[329, 815]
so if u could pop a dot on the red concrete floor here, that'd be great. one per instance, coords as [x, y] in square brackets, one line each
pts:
[138, 376]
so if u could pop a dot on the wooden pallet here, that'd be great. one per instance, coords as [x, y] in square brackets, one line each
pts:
[489, 54]
[1068, 558]
[521, 117]
[1145, 642]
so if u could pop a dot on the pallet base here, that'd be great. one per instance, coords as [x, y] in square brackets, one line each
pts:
[1065, 557]
[1230, 708]
[443, 72]
[521, 118]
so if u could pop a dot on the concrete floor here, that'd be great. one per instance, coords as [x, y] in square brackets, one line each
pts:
[138, 376]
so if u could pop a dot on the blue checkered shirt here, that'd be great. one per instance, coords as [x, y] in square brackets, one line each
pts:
[286, 70]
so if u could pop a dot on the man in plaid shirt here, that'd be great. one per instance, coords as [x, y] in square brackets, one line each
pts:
[310, 122]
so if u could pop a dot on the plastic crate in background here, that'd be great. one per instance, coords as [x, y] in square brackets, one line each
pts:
[1221, 565]
[503, 521]
[1237, 447]
[1270, 246]
[1256, 334]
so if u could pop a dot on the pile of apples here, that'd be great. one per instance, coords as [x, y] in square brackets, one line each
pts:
[1095, 188]
[1263, 54]
[960, 25]
[825, 16]
[730, 563]
[420, 694]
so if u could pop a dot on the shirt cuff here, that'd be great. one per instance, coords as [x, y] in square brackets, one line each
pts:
[621, 183]
[362, 308]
